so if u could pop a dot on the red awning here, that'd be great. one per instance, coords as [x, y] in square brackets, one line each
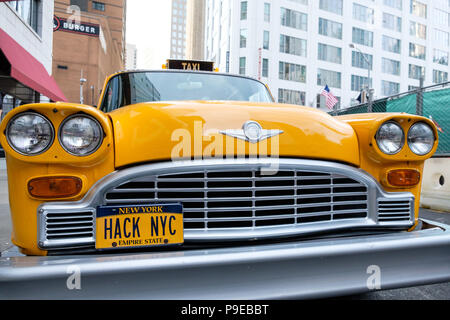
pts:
[27, 70]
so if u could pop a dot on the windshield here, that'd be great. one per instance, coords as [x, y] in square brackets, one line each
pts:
[135, 87]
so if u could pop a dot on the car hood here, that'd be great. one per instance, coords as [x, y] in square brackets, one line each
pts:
[148, 132]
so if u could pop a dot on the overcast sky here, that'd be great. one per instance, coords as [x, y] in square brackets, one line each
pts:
[148, 27]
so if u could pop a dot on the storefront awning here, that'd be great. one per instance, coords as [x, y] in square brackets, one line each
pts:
[28, 70]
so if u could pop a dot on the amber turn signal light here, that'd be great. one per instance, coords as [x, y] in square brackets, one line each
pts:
[54, 187]
[404, 178]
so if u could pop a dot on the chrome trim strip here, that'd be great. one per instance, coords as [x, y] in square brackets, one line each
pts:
[96, 196]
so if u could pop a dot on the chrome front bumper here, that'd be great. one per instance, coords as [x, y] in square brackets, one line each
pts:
[299, 269]
[365, 204]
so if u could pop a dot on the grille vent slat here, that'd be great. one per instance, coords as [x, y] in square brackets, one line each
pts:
[217, 199]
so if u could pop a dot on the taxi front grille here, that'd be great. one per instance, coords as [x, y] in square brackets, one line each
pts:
[250, 199]
[236, 200]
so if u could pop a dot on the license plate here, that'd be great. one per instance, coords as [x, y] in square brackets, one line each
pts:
[134, 226]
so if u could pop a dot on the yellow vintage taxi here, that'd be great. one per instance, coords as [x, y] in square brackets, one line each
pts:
[177, 158]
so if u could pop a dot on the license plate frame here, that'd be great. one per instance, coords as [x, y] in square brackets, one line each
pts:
[156, 218]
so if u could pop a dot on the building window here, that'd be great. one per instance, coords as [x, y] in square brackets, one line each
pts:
[334, 6]
[244, 10]
[441, 17]
[82, 4]
[328, 77]
[441, 38]
[419, 9]
[359, 83]
[440, 57]
[359, 60]
[267, 12]
[292, 45]
[292, 72]
[417, 51]
[243, 38]
[390, 66]
[418, 30]
[389, 88]
[416, 72]
[363, 13]
[397, 4]
[329, 53]
[392, 22]
[391, 44]
[291, 96]
[242, 62]
[265, 68]
[440, 76]
[330, 28]
[304, 2]
[363, 37]
[266, 40]
[29, 11]
[100, 6]
[294, 19]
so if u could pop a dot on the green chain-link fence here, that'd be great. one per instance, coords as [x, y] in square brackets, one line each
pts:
[431, 102]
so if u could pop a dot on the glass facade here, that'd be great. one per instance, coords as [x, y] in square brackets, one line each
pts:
[294, 19]
[363, 61]
[391, 44]
[335, 6]
[292, 45]
[416, 72]
[440, 76]
[291, 96]
[389, 88]
[390, 66]
[363, 13]
[362, 37]
[328, 77]
[417, 51]
[28, 10]
[292, 72]
[330, 28]
[329, 53]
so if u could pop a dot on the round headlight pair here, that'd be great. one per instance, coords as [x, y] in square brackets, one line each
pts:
[391, 138]
[30, 134]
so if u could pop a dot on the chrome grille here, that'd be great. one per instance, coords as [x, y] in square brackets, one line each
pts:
[394, 210]
[63, 226]
[231, 199]
[250, 199]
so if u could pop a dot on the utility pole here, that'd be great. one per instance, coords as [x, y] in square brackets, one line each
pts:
[82, 82]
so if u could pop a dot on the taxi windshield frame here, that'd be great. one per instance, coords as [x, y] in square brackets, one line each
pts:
[116, 88]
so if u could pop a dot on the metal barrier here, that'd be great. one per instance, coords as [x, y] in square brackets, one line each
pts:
[431, 102]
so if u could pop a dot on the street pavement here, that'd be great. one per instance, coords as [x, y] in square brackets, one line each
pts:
[428, 292]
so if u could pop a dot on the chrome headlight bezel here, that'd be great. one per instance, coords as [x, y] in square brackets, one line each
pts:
[411, 143]
[80, 115]
[11, 144]
[402, 140]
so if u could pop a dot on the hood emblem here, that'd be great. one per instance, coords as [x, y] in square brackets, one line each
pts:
[251, 131]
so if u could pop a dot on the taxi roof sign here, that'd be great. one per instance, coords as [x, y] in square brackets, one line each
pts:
[194, 65]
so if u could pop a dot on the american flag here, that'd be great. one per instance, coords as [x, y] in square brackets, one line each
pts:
[331, 100]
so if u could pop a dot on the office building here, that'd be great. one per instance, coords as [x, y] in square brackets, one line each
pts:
[299, 46]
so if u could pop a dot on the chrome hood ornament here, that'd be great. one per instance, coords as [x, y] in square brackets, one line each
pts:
[251, 131]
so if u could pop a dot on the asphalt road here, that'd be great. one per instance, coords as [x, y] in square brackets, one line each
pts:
[429, 292]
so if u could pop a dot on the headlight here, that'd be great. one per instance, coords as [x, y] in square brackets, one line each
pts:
[421, 138]
[29, 133]
[80, 135]
[390, 138]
